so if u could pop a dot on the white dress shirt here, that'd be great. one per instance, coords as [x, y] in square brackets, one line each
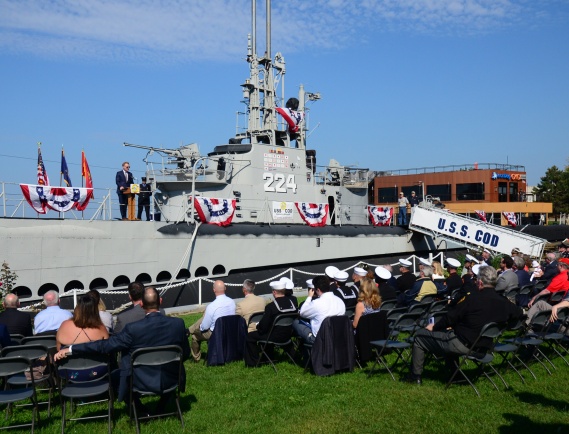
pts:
[324, 306]
[221, 306]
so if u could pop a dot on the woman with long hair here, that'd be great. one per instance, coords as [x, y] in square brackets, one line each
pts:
[84, 326]
[369, 300]
[106, 317]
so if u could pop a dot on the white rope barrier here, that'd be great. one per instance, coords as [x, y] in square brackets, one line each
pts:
[163, 289]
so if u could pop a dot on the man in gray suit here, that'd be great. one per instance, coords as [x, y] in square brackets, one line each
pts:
[135, 312]
[508, 279]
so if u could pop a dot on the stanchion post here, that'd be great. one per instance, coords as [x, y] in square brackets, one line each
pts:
[200, 292]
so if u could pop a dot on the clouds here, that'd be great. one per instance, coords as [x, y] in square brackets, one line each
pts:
[186, 31]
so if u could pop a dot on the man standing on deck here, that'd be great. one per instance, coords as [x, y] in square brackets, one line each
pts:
[124, 180]
[402, 202]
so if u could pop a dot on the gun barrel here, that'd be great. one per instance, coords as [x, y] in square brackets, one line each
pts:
[172, 152]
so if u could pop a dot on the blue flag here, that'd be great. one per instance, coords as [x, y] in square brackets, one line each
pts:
[65, 170]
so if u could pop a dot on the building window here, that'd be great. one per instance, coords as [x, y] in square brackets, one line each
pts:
[442, 191]
[407, 191]
[387, 195]
[474, 191]
[514, 195]
[502, 192]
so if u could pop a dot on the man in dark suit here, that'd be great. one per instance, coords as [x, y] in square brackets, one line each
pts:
[124, 180]
[154, 330]
[18, 323]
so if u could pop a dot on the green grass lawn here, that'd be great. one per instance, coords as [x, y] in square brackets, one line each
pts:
[235, 399]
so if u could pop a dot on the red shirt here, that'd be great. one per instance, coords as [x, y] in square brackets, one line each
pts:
[559, 282]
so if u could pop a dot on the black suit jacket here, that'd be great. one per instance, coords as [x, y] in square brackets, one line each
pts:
[122, 181]
[18, 323]
[153, 331]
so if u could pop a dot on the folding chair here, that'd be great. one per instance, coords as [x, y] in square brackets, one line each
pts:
[531, 341]
[42, 371]
[384, 346]
[282, 320]
[72, 388]
[47, 341]
[227, 342]
[15, 366]
[509, 350]
[552, 338]
[16, 338]
[334, 348]
[388, 304]
[371, 327]
[556, 297]
[492, 331]
[168, 363]
[428, 299]
[437, 306]
[255, 318]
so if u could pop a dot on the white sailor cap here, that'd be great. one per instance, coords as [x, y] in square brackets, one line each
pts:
[360, 271]
[341, 276]
[405, 263]
[476, 268]
[424, 261]
[487, 251]
[288, 283]
[452, 263]
[535, 264]
[309, 283]
[471, 259]
[382, 273]
[277, 284]
[331, 271]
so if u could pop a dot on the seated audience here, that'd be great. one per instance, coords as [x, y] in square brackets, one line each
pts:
[454, 334]
[320, 304]
[549, 270]
[507, 279]
[280, 305]
[250, 304]
[382, 278]
[18, 323]
[84, 326]
[106, 317]
[519, 269]
[154, 330]
[558, 283]
[407, 279]
[439, 277]
[201, 330]
[289, 290]
[369, 300]
[49, 319]
[347, 294]
[358, 275]
[453, 281]
[422, 287]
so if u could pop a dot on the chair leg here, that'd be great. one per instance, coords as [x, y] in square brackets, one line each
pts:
[136, 422]
[179, 410]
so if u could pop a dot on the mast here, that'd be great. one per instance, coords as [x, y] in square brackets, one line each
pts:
[259, 90]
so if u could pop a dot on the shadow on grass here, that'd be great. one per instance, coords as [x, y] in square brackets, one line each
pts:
[534, 398]
[523, 424]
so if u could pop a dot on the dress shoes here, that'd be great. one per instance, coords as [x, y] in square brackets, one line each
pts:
[412, 379]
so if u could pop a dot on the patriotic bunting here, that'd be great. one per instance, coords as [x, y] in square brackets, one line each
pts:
[293, 118]
[60, 199]
[380, 215]
[313, 214]
[215, 211]
[481, 215]
[511, 218]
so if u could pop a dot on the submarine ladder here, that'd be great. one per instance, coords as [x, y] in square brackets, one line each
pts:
[472, 233]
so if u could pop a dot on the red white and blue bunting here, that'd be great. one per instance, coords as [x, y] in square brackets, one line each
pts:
[215, 211]
[511, 218]
[481, 215]
[380, 215]
[42, 198]
[313, 214]
[293, 118]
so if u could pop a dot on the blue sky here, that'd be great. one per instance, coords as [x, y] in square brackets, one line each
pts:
[404, 84]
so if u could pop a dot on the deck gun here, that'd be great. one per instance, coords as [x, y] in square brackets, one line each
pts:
[184, 157]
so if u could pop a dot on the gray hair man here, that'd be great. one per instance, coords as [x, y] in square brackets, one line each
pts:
[49, 319]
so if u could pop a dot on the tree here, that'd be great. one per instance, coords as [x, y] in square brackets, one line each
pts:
[554, 188]
[7, 279]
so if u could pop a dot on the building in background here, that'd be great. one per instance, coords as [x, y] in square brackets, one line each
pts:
[489, 187]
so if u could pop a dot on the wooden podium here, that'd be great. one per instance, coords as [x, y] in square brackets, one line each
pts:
[131, 201]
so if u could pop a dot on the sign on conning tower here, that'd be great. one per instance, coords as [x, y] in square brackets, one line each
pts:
[473, 233]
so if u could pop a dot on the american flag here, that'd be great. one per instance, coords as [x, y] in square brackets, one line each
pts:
[42, 174]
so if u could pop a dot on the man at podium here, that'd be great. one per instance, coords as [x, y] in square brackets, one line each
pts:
[124, 180]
